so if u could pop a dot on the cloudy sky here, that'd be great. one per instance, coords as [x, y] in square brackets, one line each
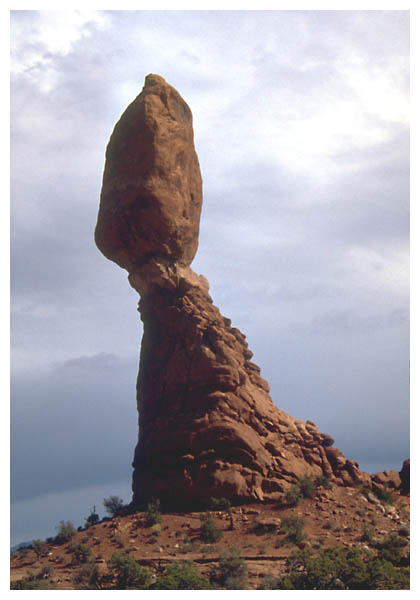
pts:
[301, 128]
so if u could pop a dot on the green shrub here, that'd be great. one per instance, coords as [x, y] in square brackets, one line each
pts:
[35, 581]
[390, 549]
[153, 516]
[182, 576]
[385, 495]
[307, 487]
[190, 546]
[367, 533]
[81, 552]
[261, 528]
[341, 568]
[88, 576]
[93, 518]
[232, 572]
[38, 546]
[208, 532]
[220, 504]
[65, 531]
[294, 495]
[128, 573]
[113, 505]
[323, 481]
[224, 505]
[293, 528]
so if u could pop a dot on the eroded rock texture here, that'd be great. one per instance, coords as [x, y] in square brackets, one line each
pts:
[207, 424]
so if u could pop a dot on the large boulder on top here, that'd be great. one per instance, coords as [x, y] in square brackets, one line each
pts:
[152, 190]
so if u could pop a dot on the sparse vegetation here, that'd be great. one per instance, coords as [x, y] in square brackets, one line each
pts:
[38, 546]
[65, 531]
[340, 569]
[182, 576]
[113, 505]
[34, 581]
[305, 487]
[294, 495]
[223, 504]
[81, 552]
[323, 481]
[129, 575]
[367, 533]
[381, 564]
[293, 528]
[390, 549]
[153, 515]
[209, 532]
[93, 518]
[260, 527]
[88, 576]
[231, 573]
[384, 494]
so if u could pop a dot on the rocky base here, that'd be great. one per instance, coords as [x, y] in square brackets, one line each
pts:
[208, 426]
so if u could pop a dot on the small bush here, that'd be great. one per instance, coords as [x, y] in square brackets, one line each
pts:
[307, 487]
[38, 546]
[323, 481]
[390, 549]
[153, 516]
[208, 532]
[181, 577]
[367, 533]
[261, 528]
[327, 525]
[232, 572]
[65, 531]
[190, 546]
[34, 581]
[225, 505]
[156, 529]
[220, 504]
[81, 552]
[93, 518]
[128, 573]
[113, 505]
[385, 495]
[293, 528]
[88, 576]
[294, 495]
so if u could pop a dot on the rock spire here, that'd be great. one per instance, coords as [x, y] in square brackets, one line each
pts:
[207, 424]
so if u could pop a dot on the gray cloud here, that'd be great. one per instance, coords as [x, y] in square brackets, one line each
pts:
[73, 425]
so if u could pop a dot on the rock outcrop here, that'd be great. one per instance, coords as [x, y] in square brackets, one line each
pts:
[207, 424]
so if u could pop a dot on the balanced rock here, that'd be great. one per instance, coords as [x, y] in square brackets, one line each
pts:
[207, 424]
[152, 191]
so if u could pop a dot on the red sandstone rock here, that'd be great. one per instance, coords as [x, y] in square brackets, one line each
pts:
[207, 424]
[151, 192]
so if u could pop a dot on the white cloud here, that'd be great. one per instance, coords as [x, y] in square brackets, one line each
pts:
[38, 37]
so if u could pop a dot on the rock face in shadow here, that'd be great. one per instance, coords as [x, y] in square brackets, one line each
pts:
[207, 424]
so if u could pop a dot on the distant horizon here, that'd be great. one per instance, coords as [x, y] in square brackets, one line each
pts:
[93, 498]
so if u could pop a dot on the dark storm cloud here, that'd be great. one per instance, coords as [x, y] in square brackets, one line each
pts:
[73, 425]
